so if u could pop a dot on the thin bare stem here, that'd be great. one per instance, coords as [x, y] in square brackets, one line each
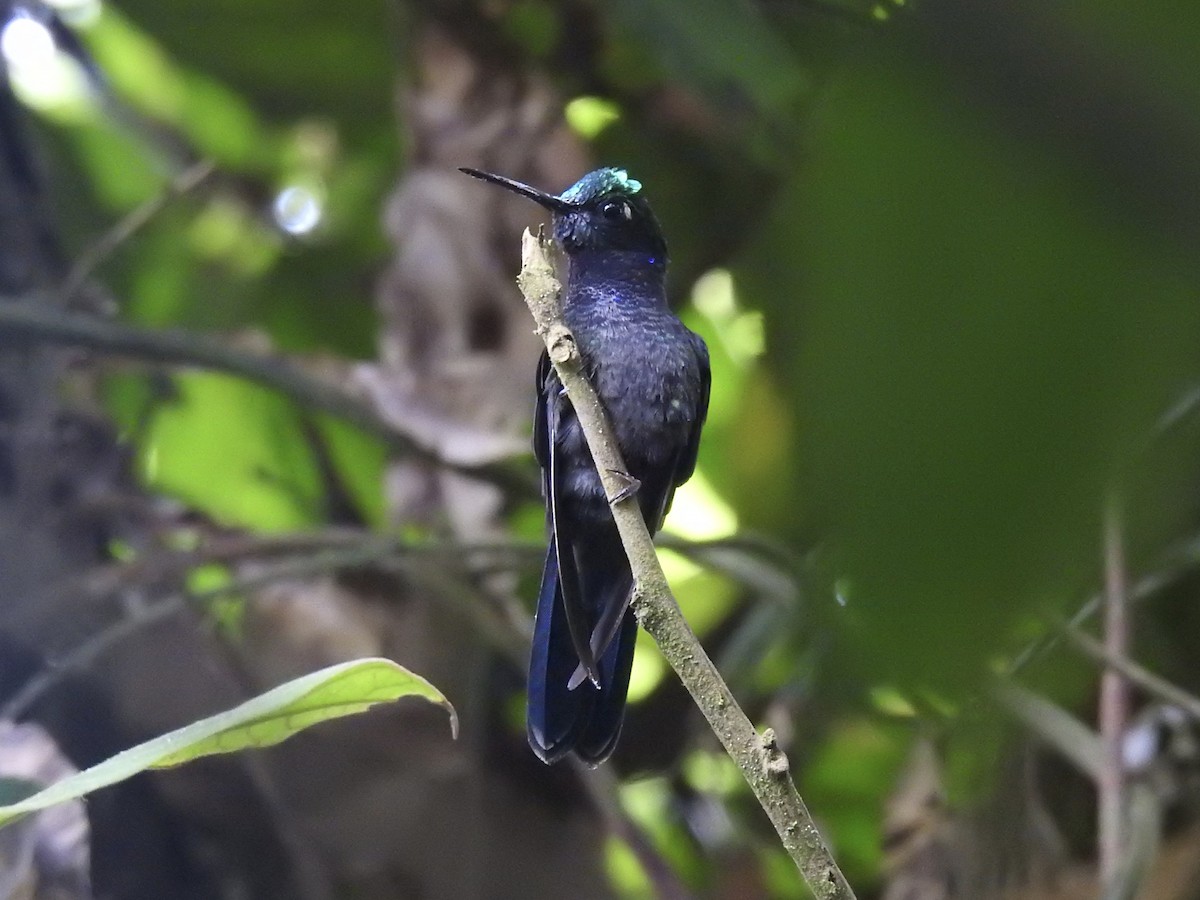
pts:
[759, 757]
[1152, 684]
[1179, 560]
[1114, 700]
[108, 243]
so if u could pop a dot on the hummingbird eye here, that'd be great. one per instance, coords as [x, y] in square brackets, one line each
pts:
[616, 209]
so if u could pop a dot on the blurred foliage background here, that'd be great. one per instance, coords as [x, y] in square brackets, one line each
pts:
[944, 257]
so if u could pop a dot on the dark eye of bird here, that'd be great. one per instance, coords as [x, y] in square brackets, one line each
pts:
[616, 209]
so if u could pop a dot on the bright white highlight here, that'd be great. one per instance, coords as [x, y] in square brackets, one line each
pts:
[298, 210]
[26, 43]
[40, 74]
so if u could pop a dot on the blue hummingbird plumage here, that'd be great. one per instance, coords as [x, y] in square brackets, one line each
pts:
[652, 375]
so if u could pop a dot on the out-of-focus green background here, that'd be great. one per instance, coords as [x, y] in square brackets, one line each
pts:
[943, 255]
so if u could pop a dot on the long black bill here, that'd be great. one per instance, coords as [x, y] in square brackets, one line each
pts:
[552, 203]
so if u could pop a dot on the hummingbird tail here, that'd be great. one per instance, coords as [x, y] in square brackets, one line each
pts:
[598, 739]
[586, 718]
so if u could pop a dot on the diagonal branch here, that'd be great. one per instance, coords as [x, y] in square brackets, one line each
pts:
[108, 243]
[32, 322]
[1054, 726]
[1135, 673]
[763, 765]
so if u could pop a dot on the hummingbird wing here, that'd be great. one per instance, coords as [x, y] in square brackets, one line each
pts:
[686, 465]
[548, 420]
[587, 717]
[654, 497]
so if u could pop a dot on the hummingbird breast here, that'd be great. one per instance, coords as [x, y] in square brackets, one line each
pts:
[646, 368]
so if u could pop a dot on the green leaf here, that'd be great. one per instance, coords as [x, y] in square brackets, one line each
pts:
[360, 460]
[263, 721]
[235, 450]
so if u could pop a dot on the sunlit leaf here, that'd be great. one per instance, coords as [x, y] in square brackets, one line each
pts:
[236, 450]
[649, 803]
[268, 719]
[854, 767]
[115, 166]
[359, 459]
[588, 116]
[625, 871]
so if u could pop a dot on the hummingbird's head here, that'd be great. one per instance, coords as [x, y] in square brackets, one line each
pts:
[603, 210]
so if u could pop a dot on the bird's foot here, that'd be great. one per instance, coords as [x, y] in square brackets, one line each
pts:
[629, 486]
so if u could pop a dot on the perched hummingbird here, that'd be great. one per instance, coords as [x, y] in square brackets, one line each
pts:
[652, 375]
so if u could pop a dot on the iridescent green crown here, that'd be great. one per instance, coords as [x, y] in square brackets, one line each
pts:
[601, 183]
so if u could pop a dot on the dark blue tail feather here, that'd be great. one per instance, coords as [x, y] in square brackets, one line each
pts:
[599, 738]
[554, 714]
[587, 719]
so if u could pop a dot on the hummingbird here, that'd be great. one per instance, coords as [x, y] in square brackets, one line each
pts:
[651, 373]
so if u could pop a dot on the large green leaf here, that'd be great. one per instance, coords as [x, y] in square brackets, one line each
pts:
[268, 719]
